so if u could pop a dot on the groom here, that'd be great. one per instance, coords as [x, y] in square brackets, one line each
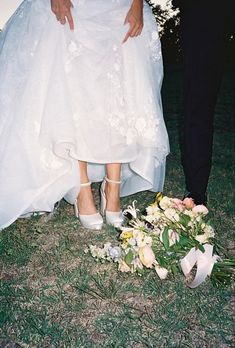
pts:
[204, 28]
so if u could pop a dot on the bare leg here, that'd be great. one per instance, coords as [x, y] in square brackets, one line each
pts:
[112, 191]
[85, 201]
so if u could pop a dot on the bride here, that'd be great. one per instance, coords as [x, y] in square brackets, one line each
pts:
[80, 102]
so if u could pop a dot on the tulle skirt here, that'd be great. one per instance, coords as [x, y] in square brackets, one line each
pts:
[77, 95]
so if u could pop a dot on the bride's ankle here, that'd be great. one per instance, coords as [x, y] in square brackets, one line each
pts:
[113, 199]
[85, 201]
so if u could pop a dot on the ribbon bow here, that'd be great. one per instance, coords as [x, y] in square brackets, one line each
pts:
[205, 262]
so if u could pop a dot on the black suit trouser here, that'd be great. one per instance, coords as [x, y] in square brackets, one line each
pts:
[203, 25]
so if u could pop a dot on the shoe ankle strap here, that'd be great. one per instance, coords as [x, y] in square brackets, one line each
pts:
[112, 181]
[86, 184]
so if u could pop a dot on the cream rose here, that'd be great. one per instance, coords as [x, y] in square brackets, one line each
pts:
[146, 256]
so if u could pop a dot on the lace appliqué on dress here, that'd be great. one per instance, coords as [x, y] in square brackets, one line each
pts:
[140, 128]
[74, 51]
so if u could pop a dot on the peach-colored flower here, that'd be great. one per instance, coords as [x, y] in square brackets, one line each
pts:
[200, 209]
[146, 256]
[189, 203]
[123, 267]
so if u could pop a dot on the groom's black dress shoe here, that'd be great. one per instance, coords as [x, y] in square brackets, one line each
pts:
[197, 198]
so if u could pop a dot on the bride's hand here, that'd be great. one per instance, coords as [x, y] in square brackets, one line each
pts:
[135, 19]
[62, 11]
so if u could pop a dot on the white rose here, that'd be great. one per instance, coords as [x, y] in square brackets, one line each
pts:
[209, 230]
[171, 214]
[165, 203]
[150, 218]
[138, 234]
[202, 238]
[148, 240]
[132, 241]
[189, 213]
[152, 209]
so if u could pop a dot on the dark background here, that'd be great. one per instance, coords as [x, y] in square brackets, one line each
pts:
[169, 26]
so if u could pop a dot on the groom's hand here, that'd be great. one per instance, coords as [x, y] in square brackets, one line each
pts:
[62, 11]
[135, 19]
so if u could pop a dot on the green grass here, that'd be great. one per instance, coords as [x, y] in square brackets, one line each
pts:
[54, 295]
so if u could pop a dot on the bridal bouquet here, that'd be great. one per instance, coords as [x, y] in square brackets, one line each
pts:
[172, 236]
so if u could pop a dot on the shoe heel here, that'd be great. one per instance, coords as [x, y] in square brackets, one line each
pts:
[103, 200]
[76, 210]
[112, 218]
[93, 221]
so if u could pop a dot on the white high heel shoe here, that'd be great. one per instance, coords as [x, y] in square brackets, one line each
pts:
[112, 218]
[92, 221]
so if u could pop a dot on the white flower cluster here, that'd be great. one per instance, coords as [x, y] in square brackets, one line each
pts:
[107, 253]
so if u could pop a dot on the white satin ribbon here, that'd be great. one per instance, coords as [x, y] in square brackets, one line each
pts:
[204, 260]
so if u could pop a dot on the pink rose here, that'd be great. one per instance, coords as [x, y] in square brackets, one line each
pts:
[179, 205]
[189, 203]
[200, 209]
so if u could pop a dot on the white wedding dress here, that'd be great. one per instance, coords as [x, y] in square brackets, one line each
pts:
[81, 95]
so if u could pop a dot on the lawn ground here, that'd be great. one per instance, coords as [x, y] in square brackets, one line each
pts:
[53, 295]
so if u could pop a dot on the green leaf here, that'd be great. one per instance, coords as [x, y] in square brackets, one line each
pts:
[184, 241]
[201, 248]
[174, 269]
[129, 258]
[165, 238]
[184, 219]
[162, 262]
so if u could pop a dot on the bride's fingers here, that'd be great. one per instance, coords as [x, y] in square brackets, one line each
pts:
[127, 36]
[126, 19]
[62, 19]
[139, 31]
[63, 13]
[135, 31]
[70, 20]
[54, 9]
